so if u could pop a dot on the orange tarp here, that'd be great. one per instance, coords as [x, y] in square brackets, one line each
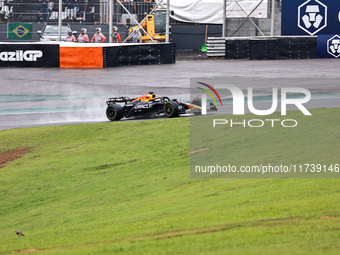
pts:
[84, 57]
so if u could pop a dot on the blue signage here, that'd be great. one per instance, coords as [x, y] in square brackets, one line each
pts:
[328, 46]
[310, 17]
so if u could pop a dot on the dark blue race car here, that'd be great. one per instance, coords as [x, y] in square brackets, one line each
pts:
[146, 106]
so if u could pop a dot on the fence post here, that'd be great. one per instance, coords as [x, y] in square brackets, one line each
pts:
[167, 31]
[224, 27]
[60, 19]
[110, 21]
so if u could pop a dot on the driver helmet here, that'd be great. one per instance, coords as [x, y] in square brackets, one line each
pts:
[98, 29]
[83, 30]
[115, 28]
[70, 32]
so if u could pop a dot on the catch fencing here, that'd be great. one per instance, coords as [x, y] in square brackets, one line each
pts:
[88, 11]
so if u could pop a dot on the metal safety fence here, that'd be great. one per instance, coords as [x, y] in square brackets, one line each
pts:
[148, 18]
[125, 12]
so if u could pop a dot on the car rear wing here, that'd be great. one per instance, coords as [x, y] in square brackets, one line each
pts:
[113, 100]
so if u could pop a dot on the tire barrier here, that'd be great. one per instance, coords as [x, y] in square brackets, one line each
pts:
[72, 55]
[141, 54]
[272, 48]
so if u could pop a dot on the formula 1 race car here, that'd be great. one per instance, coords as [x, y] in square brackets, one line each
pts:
[146, 106]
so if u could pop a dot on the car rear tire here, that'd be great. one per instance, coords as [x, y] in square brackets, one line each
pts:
[114, 112]
[171, 109]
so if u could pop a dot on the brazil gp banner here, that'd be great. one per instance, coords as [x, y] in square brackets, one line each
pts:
[310, 17]
[19, 31]
[29, 55]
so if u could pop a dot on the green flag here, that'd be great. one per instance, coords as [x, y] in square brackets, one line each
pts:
[19, 31]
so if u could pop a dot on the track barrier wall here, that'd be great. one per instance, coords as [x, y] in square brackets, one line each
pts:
[29, 55]
[290, 47]
[143, 54]
[80, 57]
[73, 55]
[272, 48]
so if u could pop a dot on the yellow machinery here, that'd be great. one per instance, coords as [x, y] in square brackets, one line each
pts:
[154, 24]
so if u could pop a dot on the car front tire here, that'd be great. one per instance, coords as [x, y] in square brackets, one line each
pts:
[171, 109]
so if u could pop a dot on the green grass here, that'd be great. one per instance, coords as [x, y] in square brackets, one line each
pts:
[125, 187]
[315, 140]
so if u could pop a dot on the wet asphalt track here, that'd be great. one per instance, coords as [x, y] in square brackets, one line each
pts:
[32, 97]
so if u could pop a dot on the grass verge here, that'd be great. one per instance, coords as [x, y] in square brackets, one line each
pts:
[125, 187]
